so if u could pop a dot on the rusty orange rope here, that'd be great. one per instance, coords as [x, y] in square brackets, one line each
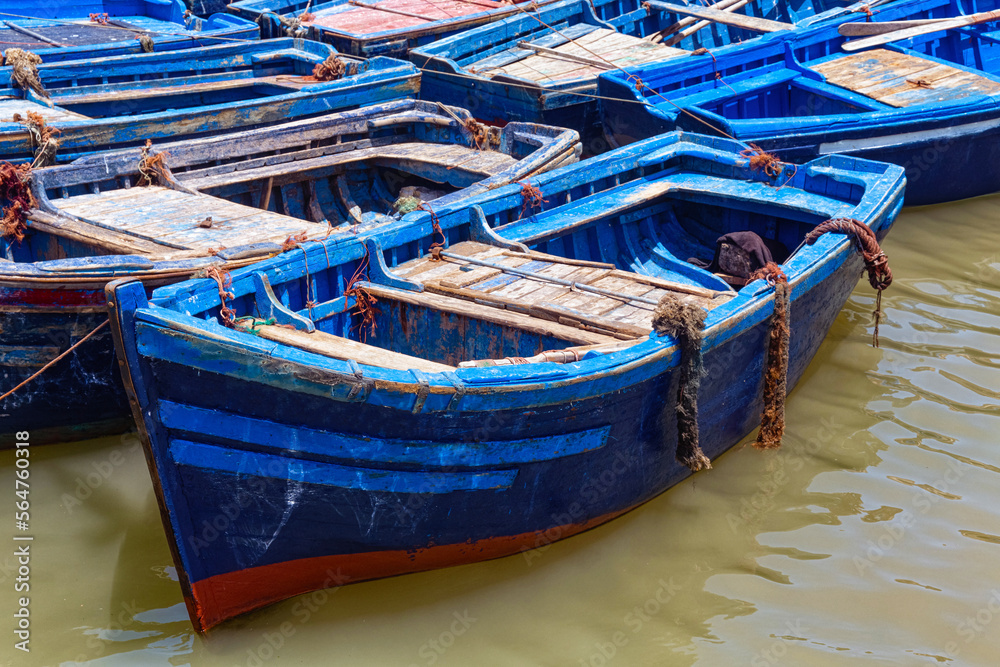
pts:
[876, 263]
[224, 280]
[436, 246]
[17, 199]
[365, 301]
[531, 197]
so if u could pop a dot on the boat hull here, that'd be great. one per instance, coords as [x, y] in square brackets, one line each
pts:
[277, 478]
[37, 325]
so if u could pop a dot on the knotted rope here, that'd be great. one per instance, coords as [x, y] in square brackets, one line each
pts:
[16, 196]
[365, 301]
[436, 246]
[531, 197]
[330, 69]
[761, 160]
[772, 420]
[99, 18]
[293, 241]
[42, 138]
[686, 323]
[876, 263]
[479, 132]
[151, 167]
[25, 70]
[224, 280]
[146, 42]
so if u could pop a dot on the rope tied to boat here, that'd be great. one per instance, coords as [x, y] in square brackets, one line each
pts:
[481, 135]
[436, 246]
[224, 281]
[772, 419]
[293, 241]
[330, 69]
[876, 262]
[151, 168]
[761, 160]
[866, 10]
[685, 322]
[52, 363]
[146, 42]
[15, 193]
[531, 197]
[24, 72]
[251, 325]
[42, 138]
[364, 301]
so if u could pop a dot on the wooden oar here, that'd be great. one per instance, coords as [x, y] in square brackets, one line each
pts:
[943, 24]
[862, 29]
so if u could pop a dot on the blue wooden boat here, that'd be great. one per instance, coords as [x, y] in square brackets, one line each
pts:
[369, 28]
[111, 103]
[334, 175]
[62, 30]
[543, 66]
[371, 411]
[930, 103]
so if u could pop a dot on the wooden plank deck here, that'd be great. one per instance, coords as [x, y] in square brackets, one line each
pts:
[159, 214]
[13, 105]
[396, 14]
[339, 347]
[598, 45]
[902, 80]
[472, 160]
[618, 316]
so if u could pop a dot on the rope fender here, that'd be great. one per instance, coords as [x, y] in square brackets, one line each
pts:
[772, 419]
[876, 263]
[686, 323]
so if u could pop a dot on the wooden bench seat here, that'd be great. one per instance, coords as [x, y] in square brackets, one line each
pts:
[173, 218]
[902, 80]
[472, 160]
[339, 347]
[600, 300]
[589, 55]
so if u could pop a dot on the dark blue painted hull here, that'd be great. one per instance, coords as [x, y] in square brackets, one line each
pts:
[281, 471]
[948, 146]
[80, 397]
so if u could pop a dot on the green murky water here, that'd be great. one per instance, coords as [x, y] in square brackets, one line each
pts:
[872, 536]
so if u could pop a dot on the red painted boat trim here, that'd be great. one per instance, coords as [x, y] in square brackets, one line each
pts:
[224, 596]
[30, 298]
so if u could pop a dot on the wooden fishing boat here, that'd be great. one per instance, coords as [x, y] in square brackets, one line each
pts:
[928, 103]
[333, 175]
[112, 103]
[373, 409]
[61, 30]
[369, 28]
[543, 66]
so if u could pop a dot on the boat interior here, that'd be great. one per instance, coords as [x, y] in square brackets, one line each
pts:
[311, 177]
[572, 276]
[217, 76]
[818, 78]
[574, 40]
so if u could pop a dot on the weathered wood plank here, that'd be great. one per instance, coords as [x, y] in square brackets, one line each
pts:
[727, 18]
[902, 80]
[338, 347]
